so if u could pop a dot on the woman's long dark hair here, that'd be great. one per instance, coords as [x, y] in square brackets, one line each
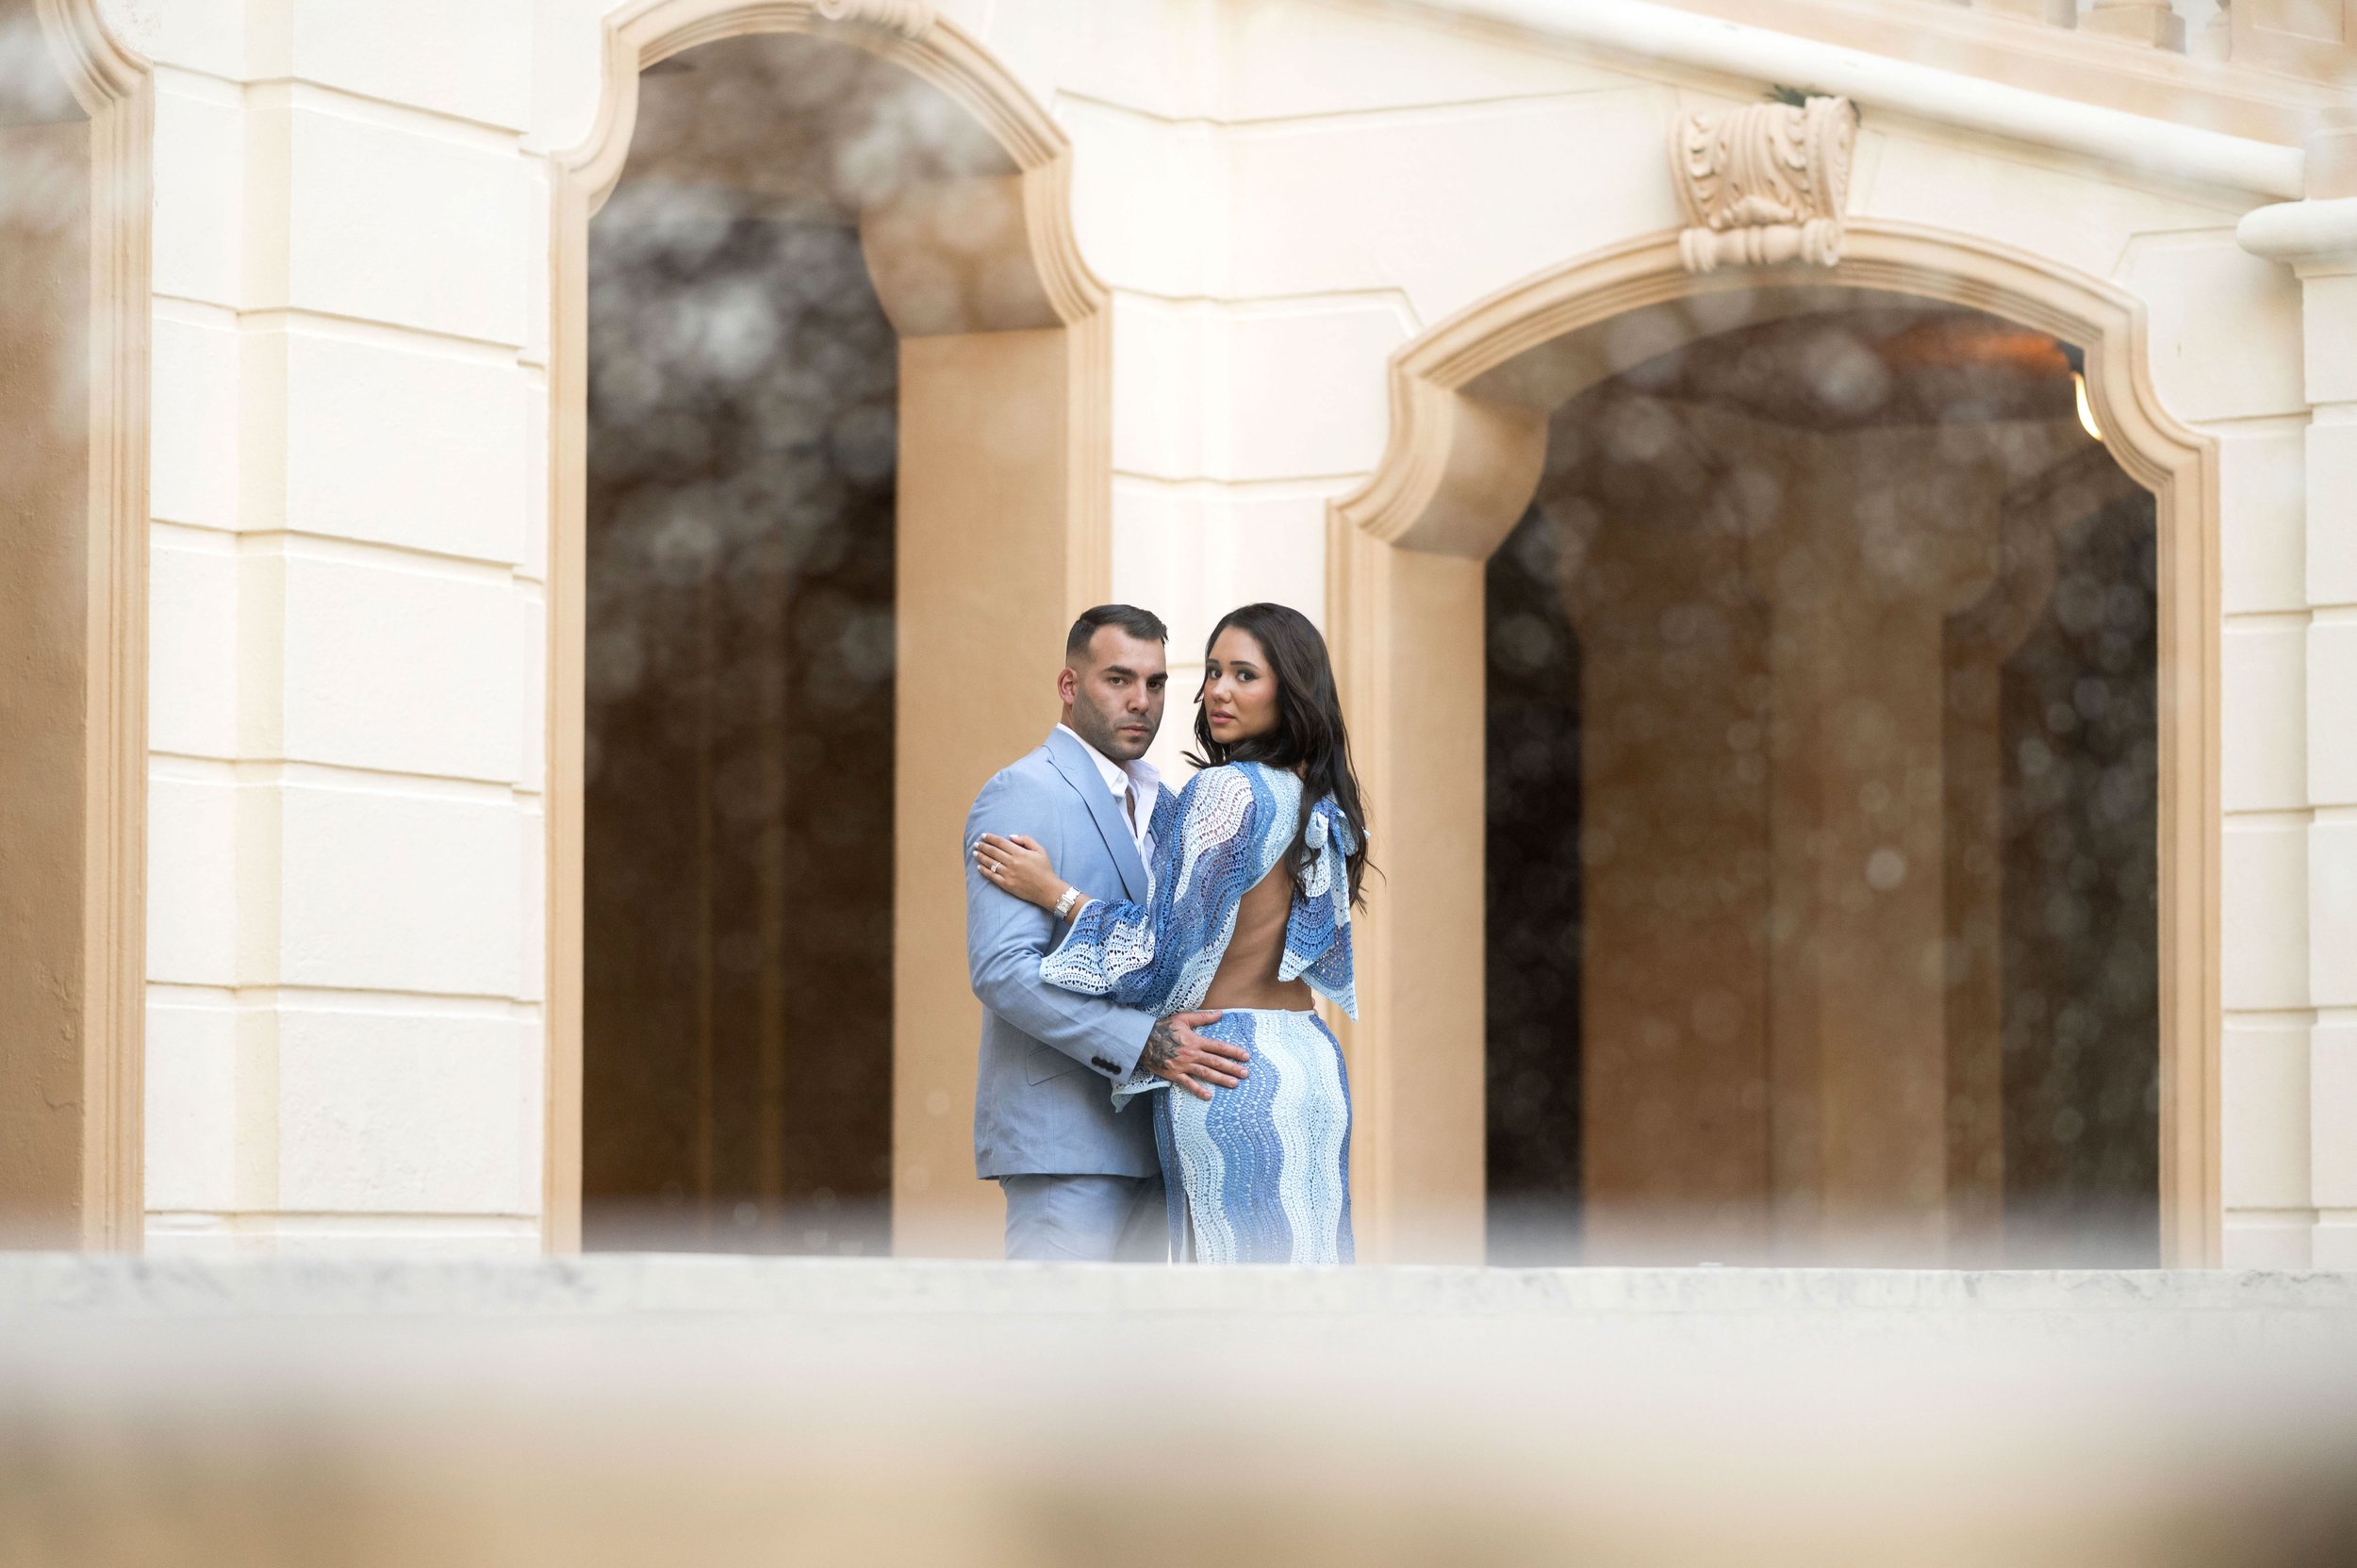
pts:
[1309, 736]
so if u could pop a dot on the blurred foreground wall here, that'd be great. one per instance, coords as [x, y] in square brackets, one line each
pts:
[723, 1411]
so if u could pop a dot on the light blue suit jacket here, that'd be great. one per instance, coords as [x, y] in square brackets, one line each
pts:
[1043, 1101]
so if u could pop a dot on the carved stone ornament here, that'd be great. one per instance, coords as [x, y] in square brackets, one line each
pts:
[1765, 184]
[910, 19]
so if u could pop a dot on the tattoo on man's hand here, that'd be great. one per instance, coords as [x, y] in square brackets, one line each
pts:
[1161, 1047]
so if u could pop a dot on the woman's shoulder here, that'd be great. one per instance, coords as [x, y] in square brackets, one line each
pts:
[1229, 777]
[1227, 789]
[1221, 778]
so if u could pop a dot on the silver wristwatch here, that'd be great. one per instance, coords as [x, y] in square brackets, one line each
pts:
[1064, 905]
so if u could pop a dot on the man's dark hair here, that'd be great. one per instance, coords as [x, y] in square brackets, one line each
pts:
[1144, 625]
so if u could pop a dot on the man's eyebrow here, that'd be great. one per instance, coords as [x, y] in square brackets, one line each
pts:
[1119, 669]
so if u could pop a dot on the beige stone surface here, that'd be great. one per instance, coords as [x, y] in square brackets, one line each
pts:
[2266, 1108]
[2329, 308]
[2332, 490]
[419, 1110]
[194, 1128]
[454, 484]
[193, 462]
[192, 626]
[2263, 494]
[2332, 913]
[200, 180]
[1165, 362]
[2225, 327]
[1148, 196]
[2264, 905]
[369, 886]
[193, 878]
[1699, 1306]
[1320, 369]
[356, 217]
[2262, 703]
[2070, 212]
[399, 665]
[2331, 708]
[2333, 1111]
[1295, 61]
[2269, 1241]
[471, 60]
[1445, 205]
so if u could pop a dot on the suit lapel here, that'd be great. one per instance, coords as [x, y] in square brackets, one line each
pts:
[1079, 770]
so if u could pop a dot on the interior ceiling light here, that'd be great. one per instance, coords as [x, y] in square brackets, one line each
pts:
[2087, 410]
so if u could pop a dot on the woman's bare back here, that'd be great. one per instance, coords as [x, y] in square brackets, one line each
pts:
[1246, 976]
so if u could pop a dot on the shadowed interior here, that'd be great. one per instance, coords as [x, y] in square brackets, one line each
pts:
[1821, 812]
[740, 776]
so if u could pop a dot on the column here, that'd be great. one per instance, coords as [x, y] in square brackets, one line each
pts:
[345, 960]
[2318, 239]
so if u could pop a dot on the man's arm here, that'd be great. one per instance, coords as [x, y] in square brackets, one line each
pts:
[1178, 1055]
[1005, 939]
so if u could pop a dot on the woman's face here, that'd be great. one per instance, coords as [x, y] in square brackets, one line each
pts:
[1239, 689]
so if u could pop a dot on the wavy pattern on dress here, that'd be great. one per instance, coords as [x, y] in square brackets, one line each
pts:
[1260, 1173]
[1228, 829]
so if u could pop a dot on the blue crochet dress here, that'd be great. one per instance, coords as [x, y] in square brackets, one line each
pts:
[1260, 1173]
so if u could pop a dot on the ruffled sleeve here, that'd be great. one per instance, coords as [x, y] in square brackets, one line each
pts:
[1318, 932]
[1159, 956]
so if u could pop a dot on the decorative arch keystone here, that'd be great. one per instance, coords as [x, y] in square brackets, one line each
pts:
[1765, 184]
[910, 19]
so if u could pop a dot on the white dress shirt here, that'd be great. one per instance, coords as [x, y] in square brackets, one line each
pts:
[1136, 780]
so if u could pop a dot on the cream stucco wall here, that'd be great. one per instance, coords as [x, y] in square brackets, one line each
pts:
[344, 912]
[350, 537]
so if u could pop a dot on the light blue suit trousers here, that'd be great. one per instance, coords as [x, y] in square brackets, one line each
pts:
[1087, 1219]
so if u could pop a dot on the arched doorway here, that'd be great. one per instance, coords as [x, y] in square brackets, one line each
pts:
[829, 443]
[1652, 1113]
[76, 125]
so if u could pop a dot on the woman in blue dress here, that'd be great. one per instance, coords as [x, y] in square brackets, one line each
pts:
[1257, 867]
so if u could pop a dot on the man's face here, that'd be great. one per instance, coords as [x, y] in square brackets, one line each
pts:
[1112, 694]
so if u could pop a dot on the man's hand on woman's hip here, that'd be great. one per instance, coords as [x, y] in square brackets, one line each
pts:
[1177, 1054]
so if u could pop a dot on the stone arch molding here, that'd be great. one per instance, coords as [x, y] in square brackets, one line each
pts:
[1013, 533]
[907, 33]
[1469, 404]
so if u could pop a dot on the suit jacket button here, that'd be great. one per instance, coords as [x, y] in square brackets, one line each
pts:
[1102, 1066]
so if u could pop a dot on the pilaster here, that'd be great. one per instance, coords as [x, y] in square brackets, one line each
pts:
[2318, 239]
[343, 975]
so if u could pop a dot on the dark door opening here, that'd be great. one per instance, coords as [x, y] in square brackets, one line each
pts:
[737, 1006]
[1822, 813]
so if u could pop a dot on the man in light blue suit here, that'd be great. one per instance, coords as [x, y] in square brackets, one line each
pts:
[1081, 1180]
